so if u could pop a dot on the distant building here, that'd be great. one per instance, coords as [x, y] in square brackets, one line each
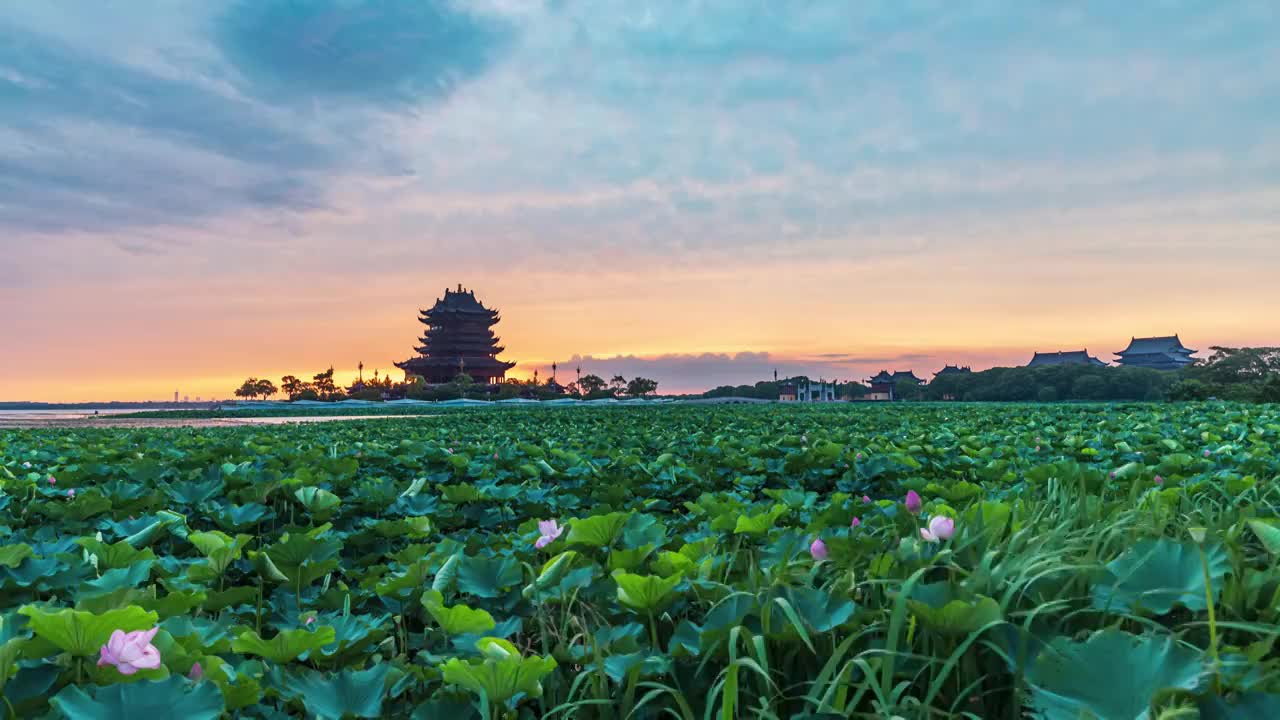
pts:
[1156, 353]
[952, 370]
[806, 391]
[1071, 357]
[883, 384]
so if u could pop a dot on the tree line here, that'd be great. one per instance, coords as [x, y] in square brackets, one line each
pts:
[1239, 374]
[322, 388]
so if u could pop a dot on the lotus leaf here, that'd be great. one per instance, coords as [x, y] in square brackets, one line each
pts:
[172, 697]
[1155, 575]
[356, 693]
[1070, 680]
[286, 646]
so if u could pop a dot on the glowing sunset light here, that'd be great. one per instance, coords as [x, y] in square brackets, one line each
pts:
[702, 193]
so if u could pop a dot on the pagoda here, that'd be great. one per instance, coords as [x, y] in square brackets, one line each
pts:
[1157, 353]
[459, 340]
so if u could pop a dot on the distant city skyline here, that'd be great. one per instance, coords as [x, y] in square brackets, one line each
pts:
[696, 191]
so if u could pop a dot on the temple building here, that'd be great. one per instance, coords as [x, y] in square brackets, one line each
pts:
[952, 370]
[1071, 357]
[459, 339]
[883, 385]
[1156, 353]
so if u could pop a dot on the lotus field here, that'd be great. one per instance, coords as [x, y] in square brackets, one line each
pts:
[918, 561]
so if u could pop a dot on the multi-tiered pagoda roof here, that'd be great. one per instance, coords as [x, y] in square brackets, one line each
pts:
[458, 340]
[1157, 353]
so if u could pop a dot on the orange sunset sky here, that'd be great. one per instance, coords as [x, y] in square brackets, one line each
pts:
[695, 192]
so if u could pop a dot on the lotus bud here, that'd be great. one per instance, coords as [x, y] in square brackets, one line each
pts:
[818, 550]
[914, 504]
[855, 523]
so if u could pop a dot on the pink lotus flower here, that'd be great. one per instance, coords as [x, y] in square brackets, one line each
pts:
[310, 619]
[866, 499]
[856, 522]
[1207, 453]
[130, 652]
[818, 550]
[196, 673]
[940, 528]
[53, 480]
[913, 502]
[1159, 480]
[71, 492]
[859, 456]
[548, 531]
[1037, 448]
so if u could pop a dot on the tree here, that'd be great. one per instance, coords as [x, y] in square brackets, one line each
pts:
[907, 389]
[617, 384]
[323, 384]
[253, 387]
[266, 388]
[639, 387]
[292, 386]
[1089, 387]
[591, 385]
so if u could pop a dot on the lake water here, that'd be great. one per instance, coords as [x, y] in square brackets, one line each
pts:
[61, 414]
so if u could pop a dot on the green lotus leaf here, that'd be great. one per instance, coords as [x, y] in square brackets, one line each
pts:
[83, 634]
[115, 579]
[13, 633]
[447, 573]
[405, 585]
[501, 673]
[761, 523]
[618, 667]
[357, 693]
[1268, 534]
[598, 531]
[1074, 680]
[149, 534]
[644, 592]
[488, 577]
[629, 559]
[671, 563]
[317, 500]
[286, 646]
[821, 611]
[13, 555]
[173, 697]
[458, 619]
[221, 549]
[553, 571]
[174, 603]
[459, 494]
[116, 555]
[239, 690]
[1154, 575]
[240, 517]
[942, 607]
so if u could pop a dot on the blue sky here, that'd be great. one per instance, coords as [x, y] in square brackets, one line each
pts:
[883, 180]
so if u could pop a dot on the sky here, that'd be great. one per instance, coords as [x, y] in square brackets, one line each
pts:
[698, 191]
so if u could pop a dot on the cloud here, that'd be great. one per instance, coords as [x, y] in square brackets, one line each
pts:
[405, 52]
